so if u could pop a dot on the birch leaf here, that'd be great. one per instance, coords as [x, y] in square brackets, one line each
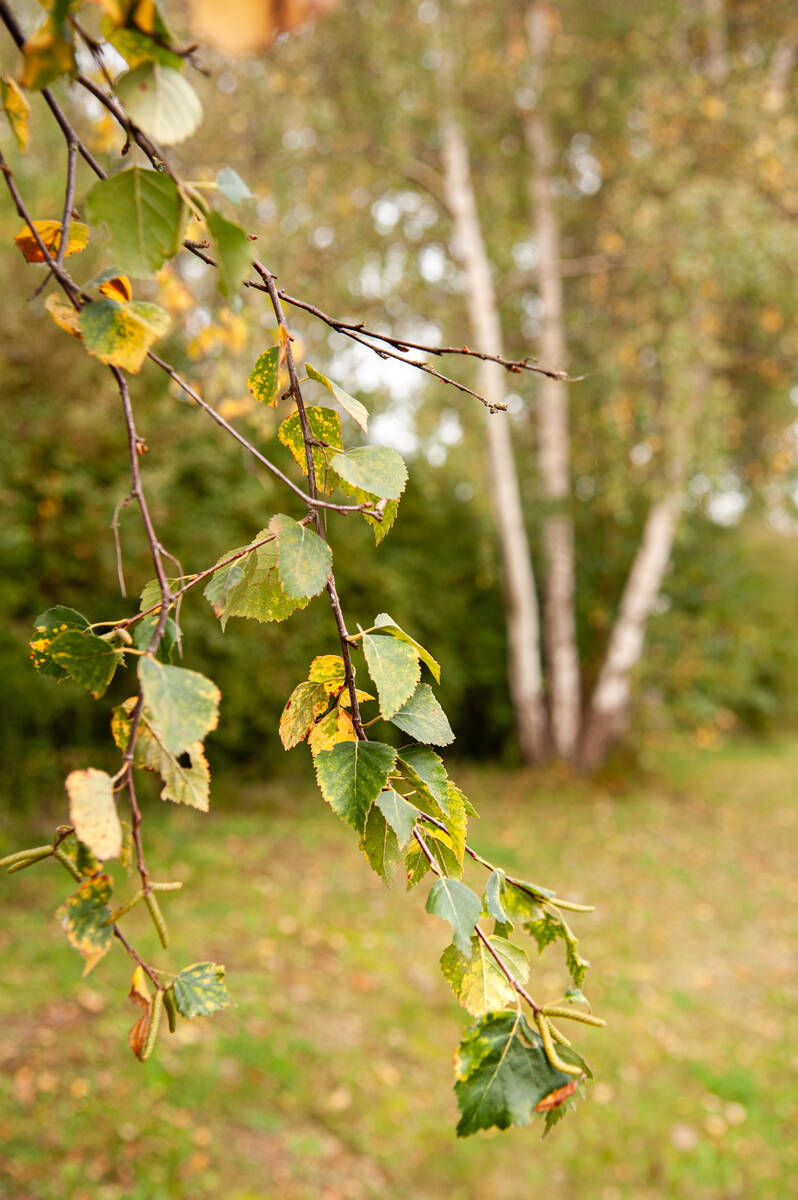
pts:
[84, 917]
[122, 334]
[145, 215]
[395, 669]
[376, 469]
[183, 704]
[160, 101]
[92, 812]
[351, 777]
[50, 234]
[423, 718]
[357, 411]
[17, 109]
[304, 559]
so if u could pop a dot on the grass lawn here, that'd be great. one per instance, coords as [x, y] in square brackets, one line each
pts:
[331, 1076]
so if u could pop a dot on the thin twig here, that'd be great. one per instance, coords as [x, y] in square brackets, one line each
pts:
[120, 569]
[69, 200]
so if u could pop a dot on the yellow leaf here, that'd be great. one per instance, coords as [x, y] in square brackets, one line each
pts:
[139, 988]
[50, 234]
[117, 288]
[17, 110]
[330, 730]
[64, 315]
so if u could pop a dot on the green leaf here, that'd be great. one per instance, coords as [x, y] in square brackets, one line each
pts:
[357, 411]
[306, 702]
[423, 718]
[376, 469]
[400, 815]
[425, 771]
[395, 669]
[137, 47]
[160, 101]
[454, 902]
[223, 581]
[183, 704]
[478, 981]
[233, 252]
[325, 426]
[304, 559]
[186, 776]
[439, 845]
[502, 1074]
[121, 334]
[87, 659]
[386, 624]
[47, 626]
[351, 777]
[145, 215]
[493, 897]
[84, 916]
[151, 592]
[250, 587]
[264, 376]
[577, 966]
[92, 812]
[144, 629]
[231, 185]
[200, 990]
[382, 528]
[545, 930]
[380, 845]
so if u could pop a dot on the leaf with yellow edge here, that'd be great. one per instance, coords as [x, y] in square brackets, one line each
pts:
[336, 727]
[477, 979]
[17, 109]
[186, 776]
[121, 334]
[325, 427]
[48, 54]
[306, 702]
[92, 812]
[65, 316]
[84, 917]
[117, 288]
[50, 234]
[263, 379]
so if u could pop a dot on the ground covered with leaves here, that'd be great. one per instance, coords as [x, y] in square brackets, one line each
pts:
[330, 1076]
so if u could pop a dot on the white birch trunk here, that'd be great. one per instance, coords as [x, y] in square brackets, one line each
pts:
[523, 632]
[610, 701]
[553, 443]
